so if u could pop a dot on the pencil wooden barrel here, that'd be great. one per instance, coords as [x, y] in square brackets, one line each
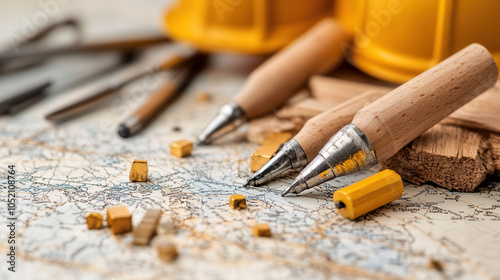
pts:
[402, 115]
[326, 124]
[315, 52]
[159, 98]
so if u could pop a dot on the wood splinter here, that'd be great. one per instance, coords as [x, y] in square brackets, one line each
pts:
[268, 149]
[166, 250]
[495, 148]
[203, 97]
[147, 228]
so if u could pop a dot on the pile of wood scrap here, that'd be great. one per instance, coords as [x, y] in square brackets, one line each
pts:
[459, 154]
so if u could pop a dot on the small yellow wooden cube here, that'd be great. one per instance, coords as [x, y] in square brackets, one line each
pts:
[262, 230]
[119, 219]
[166, 250]
[181, 148]
[237, 201]
[139, 171]
[94, 220]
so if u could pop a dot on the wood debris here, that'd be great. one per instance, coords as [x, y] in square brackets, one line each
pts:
[181, 148]
[139, 171]
[262, 230]
[166, 250]
[119, 219]
[449, 156]
[94, 220]
[147, 227]
[269, 147]
[237, 202]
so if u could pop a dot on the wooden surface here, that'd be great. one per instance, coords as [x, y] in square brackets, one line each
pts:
[318, 130]
[495, 148]
[396, 119]
[339, 90]
[449, 156]
[481, 113]
[281, 76]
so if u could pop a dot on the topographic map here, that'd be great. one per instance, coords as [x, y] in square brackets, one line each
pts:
[67, 170]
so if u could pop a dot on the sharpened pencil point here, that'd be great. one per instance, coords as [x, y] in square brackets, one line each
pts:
[292, 189]
[123, 131]
[250, 182]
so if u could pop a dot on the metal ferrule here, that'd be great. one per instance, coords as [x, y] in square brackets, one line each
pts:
[348, 151]
[133, 124]
[230, 116]
[290, 157]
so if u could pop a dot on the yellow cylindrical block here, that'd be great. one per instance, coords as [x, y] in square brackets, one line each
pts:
[368, 194]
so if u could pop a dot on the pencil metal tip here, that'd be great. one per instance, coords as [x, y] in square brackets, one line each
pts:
[201, 142]
[292, 188]
[247, 184]
[229, 117]
[123, 131]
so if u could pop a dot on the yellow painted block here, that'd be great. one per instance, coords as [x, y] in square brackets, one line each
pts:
[262, 230]
[139, 171]
[368, 194]
[237, 201]
[94, 220]
[119, 219]
[268, 149]
[181, 148]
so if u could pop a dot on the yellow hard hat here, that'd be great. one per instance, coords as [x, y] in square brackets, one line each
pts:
[396, 40]
[248, 26]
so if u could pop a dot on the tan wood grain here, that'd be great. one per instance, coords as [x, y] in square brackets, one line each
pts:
[449, 156]
[339, 90]
[481, 113]
[402, 115]
[318, 130]
[315, 52]
[495, 148]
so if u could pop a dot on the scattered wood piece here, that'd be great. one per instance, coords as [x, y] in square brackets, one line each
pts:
[139, 171]
[259, 129]
[262, 230]
[339, 90]
[181, 148]
[203, 97]
[436, 265]
[495, 145]
[119, 219]
[237, 202]
[166, 250]
[291, 118]
[94, 220]
[482, 113]
[269, 147]
[147, 227]
[449, 156]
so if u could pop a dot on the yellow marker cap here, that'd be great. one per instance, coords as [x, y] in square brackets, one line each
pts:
[368, 194]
